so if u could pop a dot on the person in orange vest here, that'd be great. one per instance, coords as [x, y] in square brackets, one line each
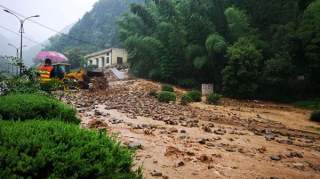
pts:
[46, 71]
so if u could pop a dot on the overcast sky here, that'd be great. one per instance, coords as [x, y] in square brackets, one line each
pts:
[56, 14]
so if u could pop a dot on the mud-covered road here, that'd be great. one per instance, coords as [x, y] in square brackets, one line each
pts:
[236, 139]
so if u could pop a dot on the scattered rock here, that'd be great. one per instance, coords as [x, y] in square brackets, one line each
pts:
[179, 163]
[183, 131]
[276, 157]
[299, 166]
[97, 113]
[262, 149]
[219, 132]
[204, 158]
[156, 173]
[115, 121]
[135, 145]
[173, 130]
[207, 129]
[269, 137]
[202, 141]
[295, 154]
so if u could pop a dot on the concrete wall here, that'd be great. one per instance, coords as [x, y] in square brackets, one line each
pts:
[122, 53]
[110, 58]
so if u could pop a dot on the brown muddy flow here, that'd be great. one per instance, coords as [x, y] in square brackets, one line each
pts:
[237, 139]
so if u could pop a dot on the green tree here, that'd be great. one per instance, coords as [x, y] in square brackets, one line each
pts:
[241, 75]
[75, 56]
[309, 32]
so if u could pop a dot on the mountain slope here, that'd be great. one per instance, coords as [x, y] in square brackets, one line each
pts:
[96, 30]
[4, 48]
[31, 52]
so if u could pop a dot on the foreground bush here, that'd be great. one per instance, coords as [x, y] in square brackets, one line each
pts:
[185, 99]
[52, 85]
[53, 149]
[22, 84]
[165, 96]
[35, 106]
[195, 95]
[168, 88]
[315, 116]
[213, 98]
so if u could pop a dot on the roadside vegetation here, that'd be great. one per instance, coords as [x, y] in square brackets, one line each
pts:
[248, 49]
[53, 149]
[40, 137]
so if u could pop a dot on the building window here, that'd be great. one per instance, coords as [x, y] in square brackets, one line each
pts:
[97, 62]
[119, 60]
[90, 62]
[108, 54]
[107, 60]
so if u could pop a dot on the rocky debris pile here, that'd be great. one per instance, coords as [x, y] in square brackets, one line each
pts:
[133, 99]
[99, 83]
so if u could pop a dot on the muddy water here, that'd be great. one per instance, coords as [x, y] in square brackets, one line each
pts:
[226, 148]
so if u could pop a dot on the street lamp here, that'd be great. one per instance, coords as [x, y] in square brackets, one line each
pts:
[17, 55]
[17, 48]
[21, 31]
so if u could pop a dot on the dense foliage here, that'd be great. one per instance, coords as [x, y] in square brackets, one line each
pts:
[186, 99]
[167, 88]
[247, 48]
[165, 96]
[52, 149]
[213, 98]
[35, 106]
[194, 95]
[315, 116]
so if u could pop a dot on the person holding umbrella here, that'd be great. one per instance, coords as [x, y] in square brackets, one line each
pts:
[46, 70]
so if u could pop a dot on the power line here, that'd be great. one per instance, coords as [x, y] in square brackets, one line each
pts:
[49, 28]
[27, 38]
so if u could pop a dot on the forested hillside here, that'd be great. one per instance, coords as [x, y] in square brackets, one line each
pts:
[97, 30]
[247, 48]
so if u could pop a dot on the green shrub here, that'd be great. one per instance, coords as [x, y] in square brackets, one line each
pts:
[168, 88]
[315, 116]
[35, 106]
[185, 99]
[195, 95]
[52, 85]
[22, 85]
[165, 96]
[213, 98]
[53, 149]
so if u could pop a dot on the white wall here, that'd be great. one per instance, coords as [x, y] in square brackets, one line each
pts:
[112, 55]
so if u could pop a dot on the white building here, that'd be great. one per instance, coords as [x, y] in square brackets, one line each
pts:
[108, 57]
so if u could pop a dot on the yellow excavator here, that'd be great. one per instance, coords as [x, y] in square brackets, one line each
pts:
[76, 79]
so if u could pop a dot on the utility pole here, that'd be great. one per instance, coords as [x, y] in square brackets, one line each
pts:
[21, 31]
[17, 54]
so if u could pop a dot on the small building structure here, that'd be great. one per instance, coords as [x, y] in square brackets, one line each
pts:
[107, 58]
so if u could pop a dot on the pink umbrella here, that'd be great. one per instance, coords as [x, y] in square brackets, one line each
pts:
[55, 57]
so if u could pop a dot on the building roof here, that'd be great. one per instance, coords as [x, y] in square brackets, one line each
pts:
[100, 52]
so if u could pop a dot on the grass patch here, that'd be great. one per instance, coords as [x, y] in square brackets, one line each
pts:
[35, 106]
[308, 104]
[315, 116]
[195, 95]
[213, 98]
[165, 96]
[53, 149]
[168, 88]
[186, 99]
